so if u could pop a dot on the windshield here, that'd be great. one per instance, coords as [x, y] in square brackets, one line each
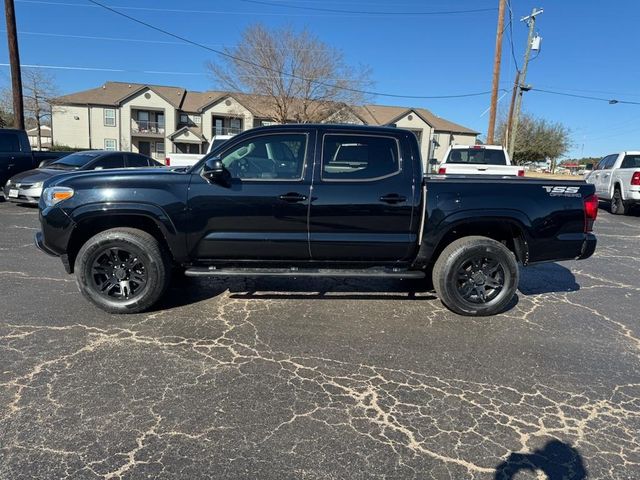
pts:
[477, 156]
[74, 161]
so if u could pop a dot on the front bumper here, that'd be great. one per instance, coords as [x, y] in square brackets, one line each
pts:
[39, 241]
[588, 246]
[29, 196]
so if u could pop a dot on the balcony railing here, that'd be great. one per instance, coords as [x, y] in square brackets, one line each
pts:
[146, 127]
[227, 130]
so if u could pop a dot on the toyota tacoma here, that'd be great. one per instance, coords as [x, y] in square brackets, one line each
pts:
[311, 200]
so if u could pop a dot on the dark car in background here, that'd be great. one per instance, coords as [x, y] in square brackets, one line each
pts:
[26, 187]
[16, 155]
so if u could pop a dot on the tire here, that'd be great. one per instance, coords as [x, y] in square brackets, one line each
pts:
[618, 206]
[466, 271]
[122, 270]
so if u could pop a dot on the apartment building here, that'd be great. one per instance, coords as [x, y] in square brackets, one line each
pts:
[154, 120]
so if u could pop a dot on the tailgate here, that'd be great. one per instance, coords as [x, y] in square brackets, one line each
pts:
[482, 169]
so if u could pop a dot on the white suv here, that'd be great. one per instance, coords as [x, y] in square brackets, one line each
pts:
[617, 179]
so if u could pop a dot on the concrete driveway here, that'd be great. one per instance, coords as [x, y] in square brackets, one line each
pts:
[322, 379]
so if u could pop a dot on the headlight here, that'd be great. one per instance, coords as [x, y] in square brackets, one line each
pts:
[37, 185]
[53, 195]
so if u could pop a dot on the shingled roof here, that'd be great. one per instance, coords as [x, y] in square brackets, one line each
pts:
[386, 115]
[114, 93]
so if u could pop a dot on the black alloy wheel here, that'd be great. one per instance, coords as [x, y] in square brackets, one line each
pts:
[118, 273]
[480, 279]
[123, 270]
[476, 276]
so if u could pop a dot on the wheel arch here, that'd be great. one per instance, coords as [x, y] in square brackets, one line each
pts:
[93, 219]
[509, 229]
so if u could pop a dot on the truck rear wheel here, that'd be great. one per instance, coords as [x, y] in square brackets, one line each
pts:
[476, 276]
[618, 206]
[122, 270]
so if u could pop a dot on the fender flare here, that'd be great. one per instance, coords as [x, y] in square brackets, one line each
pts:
[434, 234]
[175, 241]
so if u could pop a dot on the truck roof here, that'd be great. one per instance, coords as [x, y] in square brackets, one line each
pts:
[328, 126]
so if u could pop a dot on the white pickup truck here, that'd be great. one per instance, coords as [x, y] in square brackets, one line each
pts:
[188, 159]
[478, 159]
[617, 180]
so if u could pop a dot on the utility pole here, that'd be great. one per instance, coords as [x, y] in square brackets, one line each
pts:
[522, 87]
[507, 131]
[496, 72]
[14, 60]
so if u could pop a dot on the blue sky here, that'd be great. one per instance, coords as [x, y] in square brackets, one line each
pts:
[589, 48]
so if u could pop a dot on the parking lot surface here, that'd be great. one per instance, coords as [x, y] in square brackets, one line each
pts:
[322, 379]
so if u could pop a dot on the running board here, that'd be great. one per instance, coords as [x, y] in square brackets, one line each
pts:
[303, 272]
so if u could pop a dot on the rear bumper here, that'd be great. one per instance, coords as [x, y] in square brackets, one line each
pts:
[633, 194]
[588, 246]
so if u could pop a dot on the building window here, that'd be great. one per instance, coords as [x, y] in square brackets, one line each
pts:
[110, 144]
[227, 125]
[196, 119]
[184, 118]
[109, 117]
[160, 148]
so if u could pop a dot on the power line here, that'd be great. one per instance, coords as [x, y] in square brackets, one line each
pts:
[102, 69]
[228, 12]
[587, 97]
[279, 72]
[135, 40]
[366, 12]
[122, 70]
[513, 51]
[580, 90]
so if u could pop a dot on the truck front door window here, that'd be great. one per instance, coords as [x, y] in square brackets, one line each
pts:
[268, 157]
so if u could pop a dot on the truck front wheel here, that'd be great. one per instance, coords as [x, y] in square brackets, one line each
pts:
[122, 270]
[476, 276]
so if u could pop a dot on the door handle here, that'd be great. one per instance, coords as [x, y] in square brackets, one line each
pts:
[292, 197]
[393, 198]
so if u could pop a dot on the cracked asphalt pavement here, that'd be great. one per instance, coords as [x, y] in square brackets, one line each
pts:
[322, 379]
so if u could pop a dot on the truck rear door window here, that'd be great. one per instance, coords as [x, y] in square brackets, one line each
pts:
[475, 156]
[631, 161]
[9, 143]
[359, 157]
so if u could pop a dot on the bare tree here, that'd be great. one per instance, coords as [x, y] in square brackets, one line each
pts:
[38, 90]
[297, 76]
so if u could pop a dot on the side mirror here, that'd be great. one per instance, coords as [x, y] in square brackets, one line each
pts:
[433, 161]
[214, 171]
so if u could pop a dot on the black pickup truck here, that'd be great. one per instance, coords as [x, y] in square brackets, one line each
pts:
[311, 200]
[16, 155]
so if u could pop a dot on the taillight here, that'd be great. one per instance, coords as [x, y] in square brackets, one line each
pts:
[442, 171]
[521, 173]
[590, 212]
[167, 161]
[635, 180]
